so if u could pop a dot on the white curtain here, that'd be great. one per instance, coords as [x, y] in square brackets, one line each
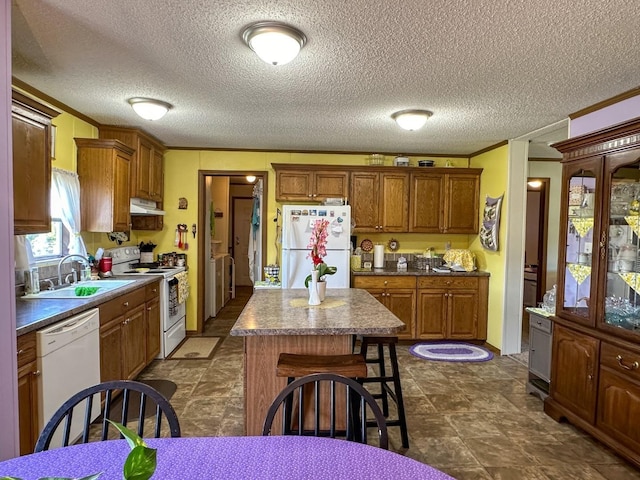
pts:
[65, 204]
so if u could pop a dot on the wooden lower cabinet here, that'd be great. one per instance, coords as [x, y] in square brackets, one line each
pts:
[574, 373]
[452, 308]
[27, 392]
[152, 319]
[123, 330]
[397, 293]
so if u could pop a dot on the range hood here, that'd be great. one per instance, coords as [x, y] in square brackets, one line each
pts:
[140, 206]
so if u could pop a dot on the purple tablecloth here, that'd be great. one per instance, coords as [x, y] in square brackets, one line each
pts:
[216, 458]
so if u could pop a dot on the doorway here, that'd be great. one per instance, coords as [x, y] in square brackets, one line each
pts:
[242, 210]
[216, 193]
[535, 258]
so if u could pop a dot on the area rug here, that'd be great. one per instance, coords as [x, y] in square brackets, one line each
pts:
[450, 352]
[165, 387]
[196, 348]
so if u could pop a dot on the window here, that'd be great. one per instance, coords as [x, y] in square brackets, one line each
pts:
[46, 246]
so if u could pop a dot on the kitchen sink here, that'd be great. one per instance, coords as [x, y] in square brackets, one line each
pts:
[103, 286]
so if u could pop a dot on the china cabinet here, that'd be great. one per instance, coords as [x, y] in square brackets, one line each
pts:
[595, 377]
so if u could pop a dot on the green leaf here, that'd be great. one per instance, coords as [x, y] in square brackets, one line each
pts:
[132, 437]
[140, 464]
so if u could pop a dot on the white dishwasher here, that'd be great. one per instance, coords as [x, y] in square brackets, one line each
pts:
[69, 360]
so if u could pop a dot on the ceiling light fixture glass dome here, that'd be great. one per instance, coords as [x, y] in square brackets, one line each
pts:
[411, 119]
[148, 108]
[251, 178]
[274, 42]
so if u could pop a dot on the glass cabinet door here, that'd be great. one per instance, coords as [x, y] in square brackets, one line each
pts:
[622, 279]
[579, 250]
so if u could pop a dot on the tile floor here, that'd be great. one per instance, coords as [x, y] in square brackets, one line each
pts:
[471, 420]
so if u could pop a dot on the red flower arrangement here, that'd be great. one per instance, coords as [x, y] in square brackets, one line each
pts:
[318, 246]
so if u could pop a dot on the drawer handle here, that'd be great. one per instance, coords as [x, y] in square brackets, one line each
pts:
[21, 351]
[633, 366]
[36, 373]
[125, 304]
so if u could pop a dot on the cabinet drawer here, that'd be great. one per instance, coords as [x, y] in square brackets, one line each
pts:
[447, 282]
[621, 360]
[26, 348]
[152, 291]
[384, 281]
[539, 323]
[120, 305]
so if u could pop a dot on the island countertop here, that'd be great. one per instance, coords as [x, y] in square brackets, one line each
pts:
[345, 311]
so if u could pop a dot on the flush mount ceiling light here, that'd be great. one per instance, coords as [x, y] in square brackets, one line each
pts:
[148, 108]
[275, 43]
[411, 119]
[251, 178]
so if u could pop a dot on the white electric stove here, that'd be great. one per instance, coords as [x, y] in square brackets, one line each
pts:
[126, 261]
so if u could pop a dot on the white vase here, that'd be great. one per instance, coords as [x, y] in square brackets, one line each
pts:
[322, 290]
[314, 298]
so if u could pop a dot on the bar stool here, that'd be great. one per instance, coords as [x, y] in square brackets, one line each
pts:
[383, 380]
[294, 365]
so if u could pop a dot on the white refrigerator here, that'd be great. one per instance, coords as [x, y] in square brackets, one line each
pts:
[297, 224]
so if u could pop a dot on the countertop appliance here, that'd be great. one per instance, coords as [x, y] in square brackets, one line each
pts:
[68, 354]
[297, 224]
[126, 261]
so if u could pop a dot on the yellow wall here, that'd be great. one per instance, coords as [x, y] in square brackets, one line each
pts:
[494, 184]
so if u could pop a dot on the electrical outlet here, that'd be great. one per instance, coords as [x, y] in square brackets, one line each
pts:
[587, 247]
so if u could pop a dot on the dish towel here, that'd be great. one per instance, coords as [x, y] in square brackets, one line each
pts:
[460, 257]
[183, 286]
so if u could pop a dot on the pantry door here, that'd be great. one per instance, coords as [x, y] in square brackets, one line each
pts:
[242, 210]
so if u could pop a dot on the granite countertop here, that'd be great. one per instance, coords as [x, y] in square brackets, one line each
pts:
[34, 314]
[344, 311]
[388, 270]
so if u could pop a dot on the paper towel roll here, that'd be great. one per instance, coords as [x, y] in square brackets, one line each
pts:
[378, 256]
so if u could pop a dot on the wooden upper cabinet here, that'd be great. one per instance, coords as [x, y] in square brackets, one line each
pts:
[380, 201]
[426, 205]
[146, 163]
[31, 128]
[103, 169]
[462, 202]
[445, 202]
[309, 184]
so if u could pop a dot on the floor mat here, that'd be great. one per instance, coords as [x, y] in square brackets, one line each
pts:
[165, 387]
[450, 352]
[196, 348]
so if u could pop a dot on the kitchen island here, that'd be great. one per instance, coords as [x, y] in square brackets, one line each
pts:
[281, 321]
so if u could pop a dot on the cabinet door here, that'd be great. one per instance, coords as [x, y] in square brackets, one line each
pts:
[618, 403]
[426, 206]
[394, 202]
[121, 200]
[330, 185]
[365, 198]
[141, 184]
[293, 185]
[462, 321]
[431, 322]
[28, 407]
[539, 352]
[111, 351]
[152, 313]
[574, 374]
[402, 303]
[157, 176]
[133, 341]
[31, 167]
[578, 228]
[462, 203]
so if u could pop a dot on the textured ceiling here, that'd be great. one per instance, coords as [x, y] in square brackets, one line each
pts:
[490, 70]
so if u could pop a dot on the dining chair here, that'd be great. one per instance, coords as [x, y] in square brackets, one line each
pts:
[358, 403]
[122, 401]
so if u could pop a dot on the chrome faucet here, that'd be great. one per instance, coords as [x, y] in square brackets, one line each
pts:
[84, 259]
